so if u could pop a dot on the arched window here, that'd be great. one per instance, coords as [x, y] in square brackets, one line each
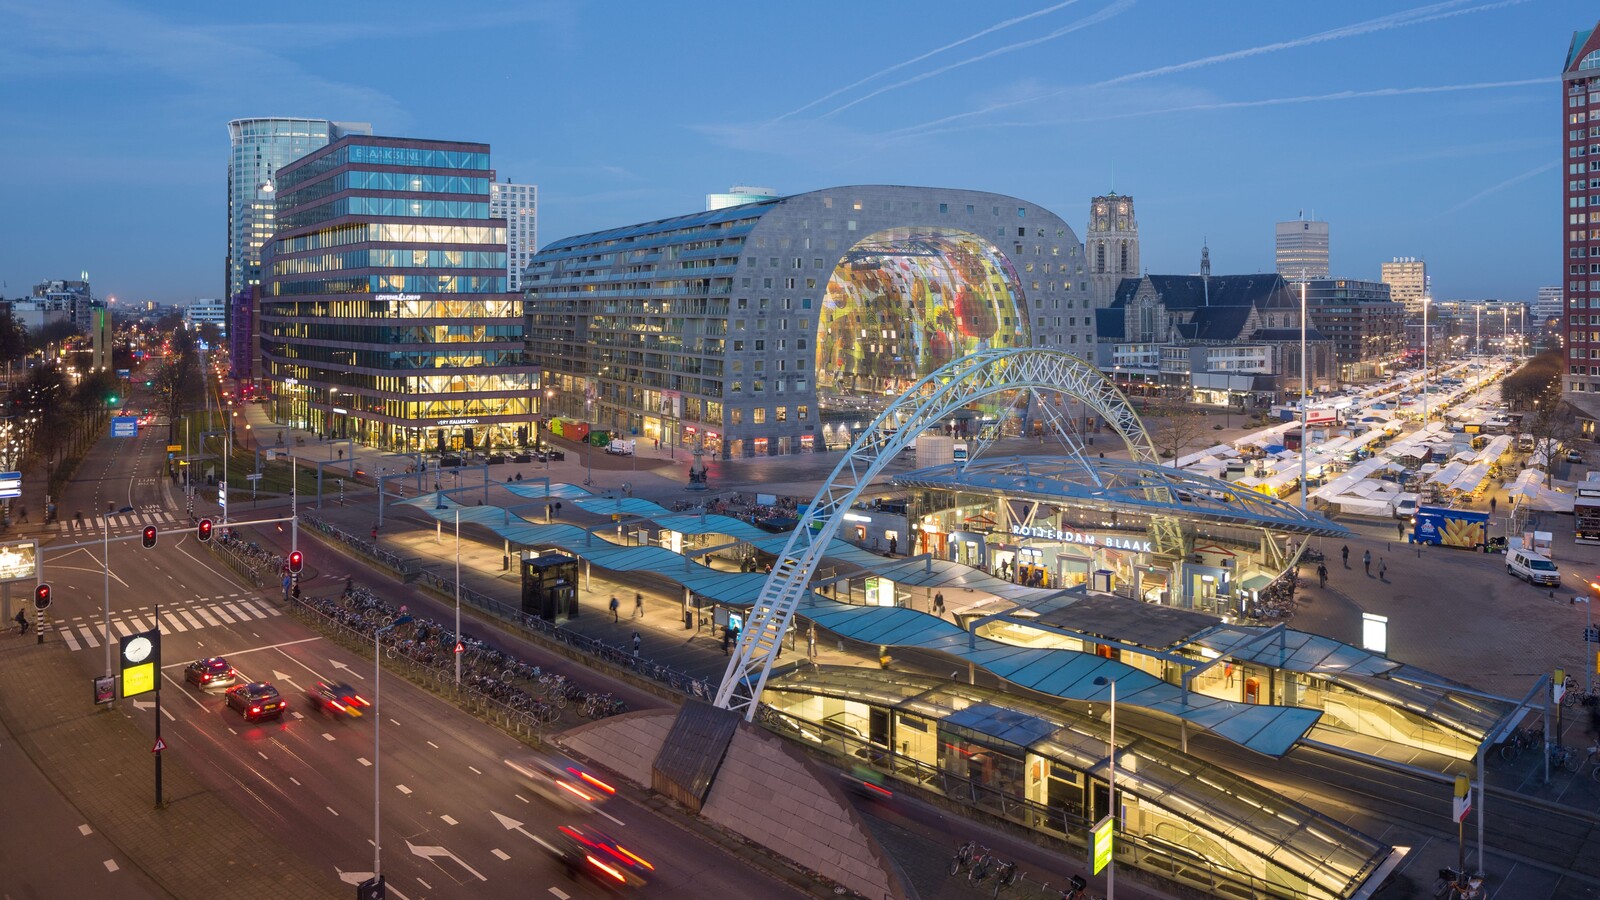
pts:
[1592, 61]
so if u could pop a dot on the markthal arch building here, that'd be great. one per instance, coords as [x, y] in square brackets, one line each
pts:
[784, 325]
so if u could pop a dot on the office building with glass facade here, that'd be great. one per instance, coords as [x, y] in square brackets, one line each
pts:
[258, 149]
[776, 326]
[385, 315]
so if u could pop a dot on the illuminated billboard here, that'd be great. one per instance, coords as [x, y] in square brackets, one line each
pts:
[904, 302]
[19, 562]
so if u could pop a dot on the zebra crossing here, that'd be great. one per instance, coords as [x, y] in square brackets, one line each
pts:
[121, 522]
[88, 631]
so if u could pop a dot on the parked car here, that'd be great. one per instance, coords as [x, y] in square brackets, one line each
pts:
[495, 459]
[1574, 455]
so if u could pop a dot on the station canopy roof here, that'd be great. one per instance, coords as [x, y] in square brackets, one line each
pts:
[1114, 485]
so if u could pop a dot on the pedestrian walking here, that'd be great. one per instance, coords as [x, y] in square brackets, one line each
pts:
[1345, 553]
[1400, 530]
[1493, 501]
[1322, 575]
[636, 642]
[638, 605]
[938, 603]
[811, 642]
[894, 546]
[727, 636]
[615, 605]
[22, 622]
[1366, 560]
[1383, 570]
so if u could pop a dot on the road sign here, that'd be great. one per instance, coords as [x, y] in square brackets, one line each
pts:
[10, 485]
[255, 477]
[460, 648]
[1558, 685]
[1591, 635]
[222, 494]
[174, 448]
[160, 746]
[124, 426]
[1461, 804]
[1100, 844]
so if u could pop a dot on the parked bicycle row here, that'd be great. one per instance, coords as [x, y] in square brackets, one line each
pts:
[984, 870]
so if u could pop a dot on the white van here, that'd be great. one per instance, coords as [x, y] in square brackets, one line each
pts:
[1405, 506]
[1531, 567]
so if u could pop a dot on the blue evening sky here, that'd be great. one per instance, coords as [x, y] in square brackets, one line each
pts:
[1429, 129]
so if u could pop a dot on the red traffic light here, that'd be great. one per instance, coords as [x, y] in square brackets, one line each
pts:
[297, 561]
[41, 597]
[149, 537]
[203, 530]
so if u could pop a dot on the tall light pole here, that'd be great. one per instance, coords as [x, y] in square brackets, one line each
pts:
[1111, 784]
[1477, 333]
[1305, 436]
[458, 646]
[1425, 302]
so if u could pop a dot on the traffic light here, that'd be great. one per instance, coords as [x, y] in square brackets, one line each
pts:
[203, 530]
[41, 597]
[112, 400]
[297, 561]
[149, 537]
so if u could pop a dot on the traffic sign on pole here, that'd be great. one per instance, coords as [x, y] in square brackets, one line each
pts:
[1462, 803]
[1100, 838]
[460, 648]
[160, 746]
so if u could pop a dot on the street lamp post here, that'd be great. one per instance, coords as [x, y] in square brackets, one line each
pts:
[1305, 436]
[1111, 784]
[1425, 302]
[458, 646]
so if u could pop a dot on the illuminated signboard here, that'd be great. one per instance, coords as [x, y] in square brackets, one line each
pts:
[19, 562]
[1100, 840]
[1109, 541]
[141, 662]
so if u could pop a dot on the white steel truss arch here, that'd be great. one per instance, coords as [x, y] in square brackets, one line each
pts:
[924, 405]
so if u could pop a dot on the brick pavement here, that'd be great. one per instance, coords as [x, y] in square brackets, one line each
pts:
[199, 846]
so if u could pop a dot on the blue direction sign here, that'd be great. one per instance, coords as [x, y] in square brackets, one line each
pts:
[10, 485]
[124, 426]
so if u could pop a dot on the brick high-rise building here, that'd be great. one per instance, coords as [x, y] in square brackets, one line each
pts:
[1580, 102]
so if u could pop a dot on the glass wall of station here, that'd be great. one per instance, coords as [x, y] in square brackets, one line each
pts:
[1045, 767]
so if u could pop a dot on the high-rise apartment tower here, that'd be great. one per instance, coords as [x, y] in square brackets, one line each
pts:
[1302, 248]
[518, 204]
[1407, 278]
[1580, 129]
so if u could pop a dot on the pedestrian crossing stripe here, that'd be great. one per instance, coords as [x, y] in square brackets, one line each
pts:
[121, 521]
[84, 633]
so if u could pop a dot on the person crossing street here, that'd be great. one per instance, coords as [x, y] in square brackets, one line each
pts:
[1366, 560]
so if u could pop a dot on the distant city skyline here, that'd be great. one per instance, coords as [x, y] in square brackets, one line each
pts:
[1420, 131]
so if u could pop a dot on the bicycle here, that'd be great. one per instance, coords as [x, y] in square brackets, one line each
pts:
[1564, 758]
[1005, 876]
[1574, 695]
[1520, 740]
[964, 853]
[981, 868]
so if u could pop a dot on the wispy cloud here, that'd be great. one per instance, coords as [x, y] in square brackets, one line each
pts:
[1419, 15]
[1095, 19]
[1509, 182]
[916, 59]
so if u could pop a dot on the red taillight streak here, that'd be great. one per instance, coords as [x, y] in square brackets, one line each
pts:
[594, 781]
[605, 867]
[635, 857]
[336, 705]
[362, 700]
[872, 787]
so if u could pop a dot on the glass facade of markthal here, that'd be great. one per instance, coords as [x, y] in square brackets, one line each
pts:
[776, 326]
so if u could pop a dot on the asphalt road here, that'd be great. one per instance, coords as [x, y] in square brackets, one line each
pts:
[455, 820]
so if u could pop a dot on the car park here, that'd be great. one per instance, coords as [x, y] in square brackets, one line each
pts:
[212, 672]
[337, 699]
[594, 854]
[562, 781]
[256, 701]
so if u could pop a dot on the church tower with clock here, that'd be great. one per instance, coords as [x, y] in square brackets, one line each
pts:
[1111, 246]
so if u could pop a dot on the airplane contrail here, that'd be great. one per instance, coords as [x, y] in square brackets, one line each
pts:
[1079, 25]
[1417, 16]
[934, 52]
[1245, 104]
[1515, 179]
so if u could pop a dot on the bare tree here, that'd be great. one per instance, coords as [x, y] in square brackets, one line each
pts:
[1174, 427]
[1553, 426]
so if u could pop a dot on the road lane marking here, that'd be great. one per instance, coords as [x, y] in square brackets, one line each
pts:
[403, 789]
[520, 797]
[474, 770]
[295, 780]
[202, 613]
[363, 760]
[559, 894]
[328, 737]
[88, 636]
[85, 830]
[189, 617]
[122, 627]
[501, 854]
[66, 635]
[433, 745]
[111, 865]
[424, 884]
[170, 680]
[175, 622]
[138, 623]
[243, 616]
[448, 821]
[251, 650]
[222, 614]
[331, 809]
[250, 608]
[263, 755]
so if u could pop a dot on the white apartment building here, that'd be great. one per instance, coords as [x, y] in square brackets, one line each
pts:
[1302, 248]
[206, 311]
[1407, 278]
[518, 204]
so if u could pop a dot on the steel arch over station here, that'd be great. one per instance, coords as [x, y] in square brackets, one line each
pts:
[927, 403]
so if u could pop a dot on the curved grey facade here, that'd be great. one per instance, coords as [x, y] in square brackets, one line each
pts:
[708, 327]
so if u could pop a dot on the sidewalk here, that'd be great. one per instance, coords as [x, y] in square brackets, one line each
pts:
[198, 847]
